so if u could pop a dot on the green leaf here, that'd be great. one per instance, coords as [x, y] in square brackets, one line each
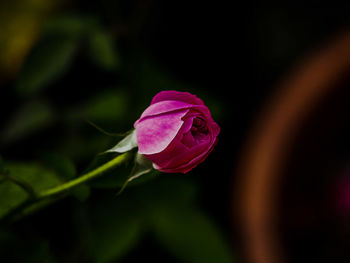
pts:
[190, 235]
[29, 118]
[48, 61]
[12, 195]
[102, 50]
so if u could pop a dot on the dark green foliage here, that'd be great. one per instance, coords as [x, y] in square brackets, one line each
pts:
[189, 234]
[38, 177]
[108, 105]
[165, 209]
[102, 50]
[83, 69]
[47, 62]
[60, 164]
[29, 118]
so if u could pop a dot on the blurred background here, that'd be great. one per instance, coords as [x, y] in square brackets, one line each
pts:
[64, 62]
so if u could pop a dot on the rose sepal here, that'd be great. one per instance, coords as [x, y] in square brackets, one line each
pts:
[142, 165]
[128, 143]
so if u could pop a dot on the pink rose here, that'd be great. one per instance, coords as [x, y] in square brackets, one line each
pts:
[176, 132]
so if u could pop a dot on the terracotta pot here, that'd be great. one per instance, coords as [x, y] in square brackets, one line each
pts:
[257, 191]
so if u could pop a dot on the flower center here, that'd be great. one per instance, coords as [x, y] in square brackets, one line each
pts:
[199, 128]
[198, 134]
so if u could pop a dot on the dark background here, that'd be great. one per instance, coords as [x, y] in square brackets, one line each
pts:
[232, 55]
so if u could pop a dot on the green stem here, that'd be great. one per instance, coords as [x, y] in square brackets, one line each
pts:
[85, 177]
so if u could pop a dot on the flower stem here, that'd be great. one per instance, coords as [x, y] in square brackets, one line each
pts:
[84, 178]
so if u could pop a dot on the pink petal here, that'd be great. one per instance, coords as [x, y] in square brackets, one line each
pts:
[174, 148]
[215, 128]
[163, 107]
[154, 134]
[192, 156]
[179, 156]
[187, 166]
[177, 96]
[188, 140]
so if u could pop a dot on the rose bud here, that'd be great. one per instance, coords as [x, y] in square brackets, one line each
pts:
[176, 132]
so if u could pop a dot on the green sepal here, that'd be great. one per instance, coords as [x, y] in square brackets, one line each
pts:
[127, 144]
[141, 166]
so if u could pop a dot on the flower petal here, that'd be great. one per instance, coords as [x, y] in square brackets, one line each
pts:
[163, 107]
[190, 164]
[177, 96]
[178, 157]
[154, 134]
